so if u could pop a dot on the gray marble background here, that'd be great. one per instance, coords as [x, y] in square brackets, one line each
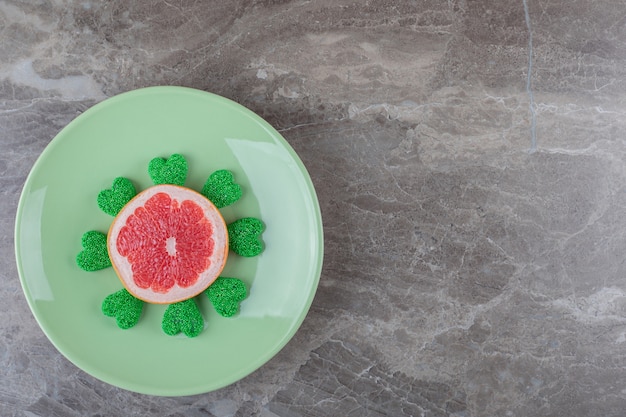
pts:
[469, 158]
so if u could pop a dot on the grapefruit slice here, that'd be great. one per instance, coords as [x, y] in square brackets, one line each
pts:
[168, 244]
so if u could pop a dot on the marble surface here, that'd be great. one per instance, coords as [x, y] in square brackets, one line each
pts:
[469, 158]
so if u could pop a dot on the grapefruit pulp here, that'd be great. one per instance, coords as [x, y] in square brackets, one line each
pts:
[168, 244]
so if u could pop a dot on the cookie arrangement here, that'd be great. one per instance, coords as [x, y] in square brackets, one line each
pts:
[168, 244]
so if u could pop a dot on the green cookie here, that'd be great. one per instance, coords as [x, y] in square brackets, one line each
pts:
[95, 255]
[124, 307]
[221, 189]
[113, 199]
[183, 317]
[244, 236]
[172, 170]
[226, 294]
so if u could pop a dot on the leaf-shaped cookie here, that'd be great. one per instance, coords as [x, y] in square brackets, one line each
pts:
[226, 294]
[221, 188]
[172, 170]
[245, 236]
[94, 255]
[113, 199]
[183, 317]
[124, 307]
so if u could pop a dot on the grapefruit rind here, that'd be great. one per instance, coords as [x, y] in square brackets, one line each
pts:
[217, 259]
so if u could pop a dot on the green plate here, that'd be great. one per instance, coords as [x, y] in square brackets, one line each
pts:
[118, 137]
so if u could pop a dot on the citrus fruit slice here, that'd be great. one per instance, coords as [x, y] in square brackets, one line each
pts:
[168, 244]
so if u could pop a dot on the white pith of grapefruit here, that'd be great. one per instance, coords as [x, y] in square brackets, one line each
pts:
[168, 244]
